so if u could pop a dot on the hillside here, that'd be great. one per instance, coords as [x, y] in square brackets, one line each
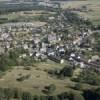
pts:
[91, 12]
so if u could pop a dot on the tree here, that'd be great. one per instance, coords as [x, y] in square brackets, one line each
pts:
[37, 98]
[26, 96]
[8, 93]
[78, 86]
[92, 94]
[51, 88]
[64, 96]
[76, 96]
[3, 62]
[17, 93]
[2, 96]
[55, 98]
[67, 71]
[88, 76]
[43, 97]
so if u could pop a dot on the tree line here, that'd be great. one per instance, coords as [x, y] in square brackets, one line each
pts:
[14, 93]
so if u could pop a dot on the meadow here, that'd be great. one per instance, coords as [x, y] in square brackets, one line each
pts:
[35, 16]
[93, 7]
[39, 78]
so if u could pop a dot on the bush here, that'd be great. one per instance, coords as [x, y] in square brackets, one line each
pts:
[78, 86]
[26, 96]
[22, 78]
[92, 94]
[67, 71]
[2, 94]
[17, 93]
[76, 96]
[49, 89]
[62, 73]
[37, 97]
[64, 96]
[88, 76]
[27, 68]
[70, 96]
[8, 93]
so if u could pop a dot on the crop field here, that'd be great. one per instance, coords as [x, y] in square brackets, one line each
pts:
[25, 13]
[25, 16]
[92, 5]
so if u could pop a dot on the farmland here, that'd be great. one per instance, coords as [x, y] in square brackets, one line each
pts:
[25, 16]
[93, 5]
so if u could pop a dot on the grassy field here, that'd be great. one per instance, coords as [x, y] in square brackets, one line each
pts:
[25, 13]
[39, 78]
[93, 5]
[26, 16]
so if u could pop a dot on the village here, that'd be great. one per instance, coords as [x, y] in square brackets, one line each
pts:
[45, 42]
[48, 52]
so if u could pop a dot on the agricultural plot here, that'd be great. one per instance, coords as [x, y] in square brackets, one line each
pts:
[25, 16]
[93, 9]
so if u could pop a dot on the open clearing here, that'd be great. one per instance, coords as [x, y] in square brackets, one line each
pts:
[93, 5]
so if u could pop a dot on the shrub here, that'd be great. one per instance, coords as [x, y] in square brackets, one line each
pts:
[88, 76]
[78, 86]
[22, 78]
[62, 73]
[17, 93]
[76, 96]
[8, 93]
[26, 96]
[27, 68]
[92, 94]
[2, 94]
[49, 89]
[67, 71]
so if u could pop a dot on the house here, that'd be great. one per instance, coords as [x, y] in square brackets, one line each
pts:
[51, 18]
[72, 55]
[52, 38]
[25, 46]
[95, 57]
[30, 54]
[50, 53]
[62, 61]
[43, 50]
[82, 65]
[23, 56]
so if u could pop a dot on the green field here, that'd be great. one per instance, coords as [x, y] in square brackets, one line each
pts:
[26, 16]
[39, 78]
